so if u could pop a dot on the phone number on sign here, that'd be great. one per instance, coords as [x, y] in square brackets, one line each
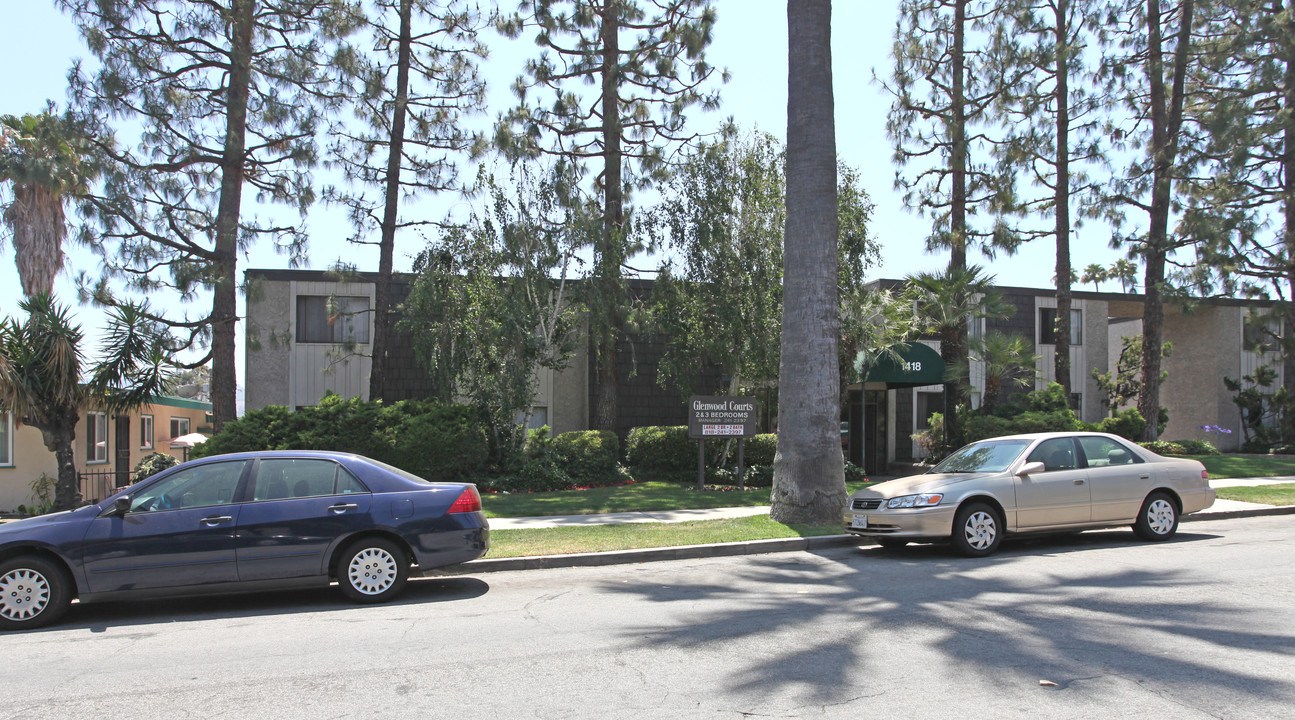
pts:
[721, 430]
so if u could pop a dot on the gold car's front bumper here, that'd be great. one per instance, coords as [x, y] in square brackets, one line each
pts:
[932, 522]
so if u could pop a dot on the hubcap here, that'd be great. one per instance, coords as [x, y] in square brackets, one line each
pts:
[24, 593]
[1160, 516]
[372, 571]
[980, 530]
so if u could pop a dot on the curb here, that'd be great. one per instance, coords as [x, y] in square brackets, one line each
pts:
[680, 552]
[755, 547]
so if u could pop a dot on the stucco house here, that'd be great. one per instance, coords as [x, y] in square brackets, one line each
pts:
[106, 447]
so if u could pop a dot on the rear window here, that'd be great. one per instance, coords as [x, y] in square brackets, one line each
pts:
[397, 471]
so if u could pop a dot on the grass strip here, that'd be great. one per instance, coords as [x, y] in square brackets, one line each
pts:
[1283, 494]
[1237, 466]
[640, 497]
[632, 536]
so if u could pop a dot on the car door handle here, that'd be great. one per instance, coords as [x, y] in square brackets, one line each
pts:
[1080, 481]
[1144, 477]
[340, 508]
[216, 519]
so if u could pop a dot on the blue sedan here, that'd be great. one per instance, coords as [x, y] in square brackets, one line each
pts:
[265, 520]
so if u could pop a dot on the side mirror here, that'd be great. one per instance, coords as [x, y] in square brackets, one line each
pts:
[121, 505]
[1030, 468]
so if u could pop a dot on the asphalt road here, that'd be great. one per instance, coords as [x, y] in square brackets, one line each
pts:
[1090, 626]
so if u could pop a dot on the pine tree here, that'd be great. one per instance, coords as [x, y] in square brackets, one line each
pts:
[646, 63]
[225, 95]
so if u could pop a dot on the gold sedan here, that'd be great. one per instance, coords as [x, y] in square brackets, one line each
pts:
[1042, 482]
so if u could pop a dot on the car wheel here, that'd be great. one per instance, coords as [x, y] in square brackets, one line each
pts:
[33, 592]
[977, 530]
[372, 570]
[891, 543]
[1158, 518]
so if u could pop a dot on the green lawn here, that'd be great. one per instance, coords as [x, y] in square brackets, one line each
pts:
[1236, 466]
[1283, 494]
[604, 538]
[645, 496]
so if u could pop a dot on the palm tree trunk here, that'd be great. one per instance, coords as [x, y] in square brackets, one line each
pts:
[808, 470]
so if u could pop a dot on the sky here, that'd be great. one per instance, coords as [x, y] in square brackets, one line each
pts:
[38, 44]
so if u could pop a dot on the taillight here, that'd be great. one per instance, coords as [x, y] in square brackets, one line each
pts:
[469, 501]
[1205, 474]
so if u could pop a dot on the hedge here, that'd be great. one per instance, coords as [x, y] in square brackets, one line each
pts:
[669, 450]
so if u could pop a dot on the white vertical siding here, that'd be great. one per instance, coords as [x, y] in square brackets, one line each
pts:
[1078, 353]
[319, 367]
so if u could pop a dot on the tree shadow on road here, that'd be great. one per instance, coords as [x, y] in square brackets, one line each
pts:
[822, 627]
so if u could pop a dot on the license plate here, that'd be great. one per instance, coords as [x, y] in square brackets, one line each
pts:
[859, 521]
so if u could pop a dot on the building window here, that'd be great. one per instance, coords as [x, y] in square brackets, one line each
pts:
[96, 438]
[1260, 335]
[179, 426]
[6, 439]
[145, 432]
[539, 417]
[1048, 326]
[928, 403]
[332, 319]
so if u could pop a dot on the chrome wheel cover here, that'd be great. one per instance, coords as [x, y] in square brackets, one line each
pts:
[24, 594]
[980, 530]
[372, 571]
[1161, 516]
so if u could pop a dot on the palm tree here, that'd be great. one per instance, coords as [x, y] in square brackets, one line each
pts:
[950, 301]
[1010, 361]
[808, 469]
[46, 163]
[40, 376]
[1095, 274]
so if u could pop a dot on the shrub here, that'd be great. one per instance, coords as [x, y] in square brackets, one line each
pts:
[758, 476]
[854, 473]
[1197, 447]
[542, 473]
[150, 465]
[1165, 447]
[758, 450]
[1128, 424]
[661, 449]
[589, 456]
[445, 443]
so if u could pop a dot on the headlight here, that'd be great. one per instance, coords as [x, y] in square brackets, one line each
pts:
[909, 501]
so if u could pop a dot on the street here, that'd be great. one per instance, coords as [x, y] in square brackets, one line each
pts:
[1087, 626]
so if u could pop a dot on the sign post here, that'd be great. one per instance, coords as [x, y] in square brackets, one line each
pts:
[719, 417]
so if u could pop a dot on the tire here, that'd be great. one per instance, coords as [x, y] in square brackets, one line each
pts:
[977, 530]
[1158, 519]
[891, 543]
[34, 592]
[372, 570]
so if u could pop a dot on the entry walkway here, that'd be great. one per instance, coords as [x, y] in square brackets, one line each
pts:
[668, 516]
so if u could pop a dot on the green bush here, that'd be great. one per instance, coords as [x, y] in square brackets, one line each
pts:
[758, 450]
[420, 436]
[854, 473]
[152, 464]
[1165, 447]
[659, 448]
[542, 473]
[444, 443]
[1198, 447]
[758, 476]
[1128, 424]
[590, 457]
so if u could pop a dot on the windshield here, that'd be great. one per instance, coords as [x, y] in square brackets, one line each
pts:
[985, 456]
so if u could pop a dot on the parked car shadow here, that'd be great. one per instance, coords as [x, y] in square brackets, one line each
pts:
[98, 617]
[1061, 542]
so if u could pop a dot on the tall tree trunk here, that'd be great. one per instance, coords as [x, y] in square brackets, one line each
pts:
[954, 349]
[1286, 49]
[808, 472]
[1061, 356]
[224, 315]
[387, 245]
[1166, 119]
[59, 437]
[611, 242]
